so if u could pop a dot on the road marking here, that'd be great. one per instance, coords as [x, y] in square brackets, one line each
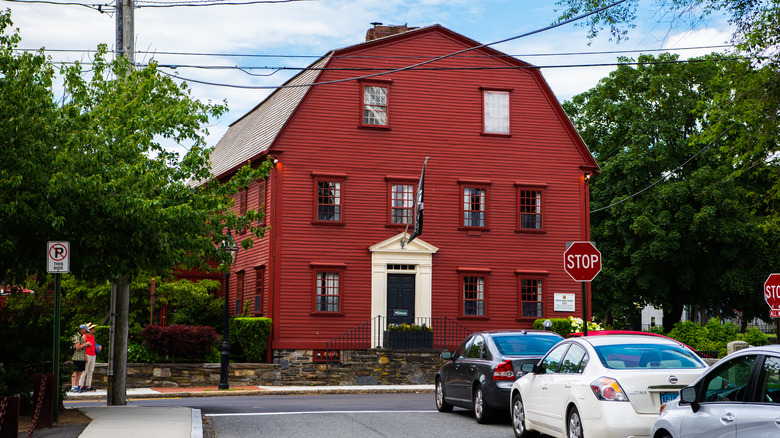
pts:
[247, 414]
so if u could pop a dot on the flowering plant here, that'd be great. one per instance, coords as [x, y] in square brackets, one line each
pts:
[576, 325]
[408, 328]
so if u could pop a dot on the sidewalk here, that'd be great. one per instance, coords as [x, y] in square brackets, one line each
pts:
[212, 391]
[148, 422]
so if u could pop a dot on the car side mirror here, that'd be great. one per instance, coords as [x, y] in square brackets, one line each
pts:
[688, 395]
[446, 355]
[528, 367]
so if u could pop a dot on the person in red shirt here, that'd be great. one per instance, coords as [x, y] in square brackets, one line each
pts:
[88, 340]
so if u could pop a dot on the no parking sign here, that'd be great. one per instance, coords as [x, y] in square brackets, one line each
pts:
[58, 257]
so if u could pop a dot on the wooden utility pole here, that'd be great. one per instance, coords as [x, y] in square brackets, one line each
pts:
[120, 319]
[125, 30]
[120, 287]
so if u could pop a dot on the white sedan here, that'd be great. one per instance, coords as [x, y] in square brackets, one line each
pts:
[602, 386]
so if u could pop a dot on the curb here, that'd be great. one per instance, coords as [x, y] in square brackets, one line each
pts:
[277, 390]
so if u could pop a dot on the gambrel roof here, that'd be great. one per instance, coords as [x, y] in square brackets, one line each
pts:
[253, 135]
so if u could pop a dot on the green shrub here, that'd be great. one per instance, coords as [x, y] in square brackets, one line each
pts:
[659, 330]
[252, 335]
[562, 326]
[690, 333]
[137, 353]
[754, 336]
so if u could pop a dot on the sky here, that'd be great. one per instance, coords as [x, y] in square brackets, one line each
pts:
[298, 32]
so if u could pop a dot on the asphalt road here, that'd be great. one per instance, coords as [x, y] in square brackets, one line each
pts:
[332, 415]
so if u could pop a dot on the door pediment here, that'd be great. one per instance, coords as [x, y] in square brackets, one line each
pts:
[393, 244]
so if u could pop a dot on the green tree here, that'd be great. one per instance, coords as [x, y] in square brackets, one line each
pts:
[93, 170]
[695, 232]
[750, 114]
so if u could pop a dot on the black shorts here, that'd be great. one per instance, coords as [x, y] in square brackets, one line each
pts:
[79, 365]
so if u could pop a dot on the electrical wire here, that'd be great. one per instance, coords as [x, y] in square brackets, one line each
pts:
[526, 55]
[663, 178]
[210, 3]
[419, 64]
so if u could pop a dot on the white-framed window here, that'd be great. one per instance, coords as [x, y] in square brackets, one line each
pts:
[496, 111]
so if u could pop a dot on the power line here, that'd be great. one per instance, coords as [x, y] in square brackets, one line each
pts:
[153, 4]
[526, 55]
[449, 55]
[196, 3]
[277, 69]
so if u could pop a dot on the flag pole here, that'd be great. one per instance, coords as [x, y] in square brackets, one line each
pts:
[418, 208]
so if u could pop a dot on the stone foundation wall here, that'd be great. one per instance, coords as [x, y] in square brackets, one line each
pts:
[290, 368]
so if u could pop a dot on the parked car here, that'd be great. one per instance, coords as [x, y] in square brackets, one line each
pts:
[480, 373]
[738, 397]
[601, 386]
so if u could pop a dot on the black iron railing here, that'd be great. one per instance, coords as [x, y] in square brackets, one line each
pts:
[444, 333]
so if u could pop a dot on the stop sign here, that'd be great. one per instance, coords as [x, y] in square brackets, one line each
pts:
[772, 294]
[582, 261]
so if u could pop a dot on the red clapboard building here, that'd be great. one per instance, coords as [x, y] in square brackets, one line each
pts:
[505, 187]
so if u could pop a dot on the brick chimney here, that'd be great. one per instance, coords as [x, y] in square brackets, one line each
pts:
[380, 31]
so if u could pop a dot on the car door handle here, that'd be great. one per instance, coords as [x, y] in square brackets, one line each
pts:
[728, 418]
[777, 421]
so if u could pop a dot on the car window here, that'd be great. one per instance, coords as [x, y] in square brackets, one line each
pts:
[727, 383]
[572, 362]
[524, 345]
[460, 353]
[769, 381]
[644, 355]
[553, 359]
[475, 350]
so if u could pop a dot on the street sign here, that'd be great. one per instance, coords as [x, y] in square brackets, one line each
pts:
[772, 294]
[582, 261]
[58, 257]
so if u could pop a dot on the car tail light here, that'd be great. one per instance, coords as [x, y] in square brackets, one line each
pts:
[504, 371]
[608, 389]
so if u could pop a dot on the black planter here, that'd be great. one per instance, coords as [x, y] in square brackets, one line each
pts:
[409, 340]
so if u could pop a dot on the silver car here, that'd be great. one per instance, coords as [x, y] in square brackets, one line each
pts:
[738, 397]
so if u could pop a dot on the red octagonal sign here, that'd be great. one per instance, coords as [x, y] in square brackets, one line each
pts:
[772, 294]
[582, 261]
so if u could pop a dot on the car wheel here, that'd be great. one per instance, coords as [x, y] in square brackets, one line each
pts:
[575, 424]
[482, 412]
[441, 404]
[518, 418]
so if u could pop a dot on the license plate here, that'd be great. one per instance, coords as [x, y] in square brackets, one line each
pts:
[666, 397]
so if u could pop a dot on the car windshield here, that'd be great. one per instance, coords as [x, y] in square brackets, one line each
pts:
[524, 345]
[658, 356]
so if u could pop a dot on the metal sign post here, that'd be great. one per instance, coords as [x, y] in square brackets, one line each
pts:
[582, 261]
[57, 262]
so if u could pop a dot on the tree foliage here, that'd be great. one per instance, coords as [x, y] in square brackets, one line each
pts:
[751, 113]
[94, 170]
[695, 233]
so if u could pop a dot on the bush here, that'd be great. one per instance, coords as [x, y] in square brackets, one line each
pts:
[137, 353]
[252, 335]
[689, 333]
[26, 323]
[754, 336]
[190, 342]
[562, 326]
